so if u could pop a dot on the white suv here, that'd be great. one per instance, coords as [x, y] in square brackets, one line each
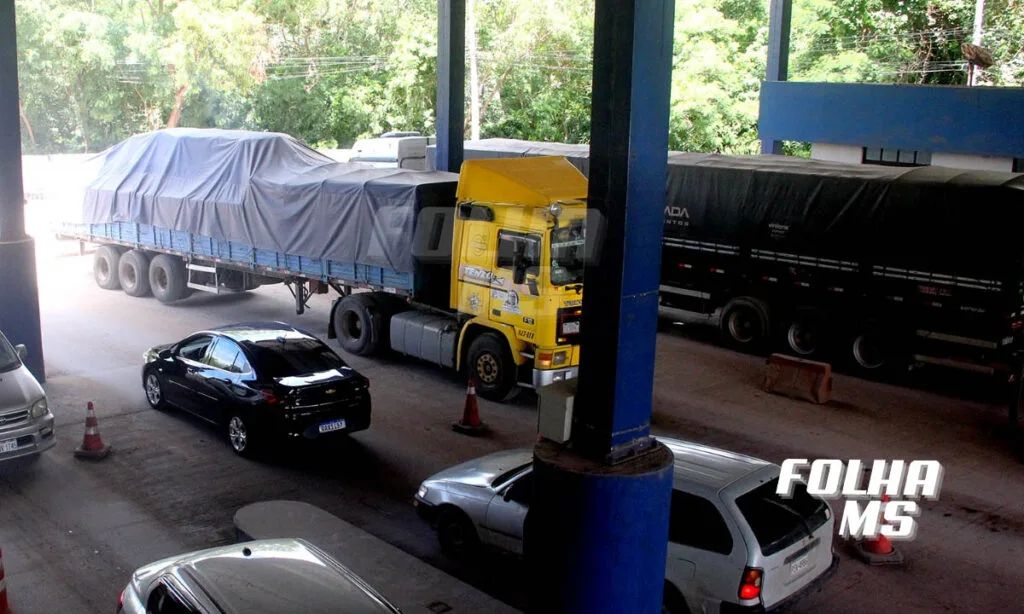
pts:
[734, 545]
[26, 424]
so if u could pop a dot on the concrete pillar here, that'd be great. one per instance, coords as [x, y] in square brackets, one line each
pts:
[597, 532]
[451, 83]
[19, 295]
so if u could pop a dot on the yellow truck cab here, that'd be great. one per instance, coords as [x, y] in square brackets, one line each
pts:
[501, 299]
[517, 254]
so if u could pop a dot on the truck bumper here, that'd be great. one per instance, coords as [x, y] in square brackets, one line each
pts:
[546, 377]
[31, 439]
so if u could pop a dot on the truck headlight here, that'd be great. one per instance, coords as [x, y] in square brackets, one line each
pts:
[39, 408]
[559, 358]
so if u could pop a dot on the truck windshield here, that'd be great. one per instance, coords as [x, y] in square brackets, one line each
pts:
[8, 357]
[567, 245]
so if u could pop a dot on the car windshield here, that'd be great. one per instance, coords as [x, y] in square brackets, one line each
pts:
[8, 357]
[508, 475]
[778, 522]
[567, 249]
[292, 357]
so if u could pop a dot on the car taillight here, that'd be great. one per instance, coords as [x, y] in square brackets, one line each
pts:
[366, 382]
[120, 601]
[750, 586]
[269, 396]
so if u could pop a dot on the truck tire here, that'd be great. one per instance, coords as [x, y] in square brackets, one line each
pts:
[133, 269]
[870, 350]
[745, 323]
[806, 333]
[105, 266]
[489, 363]
[167, 278]
[357, 324]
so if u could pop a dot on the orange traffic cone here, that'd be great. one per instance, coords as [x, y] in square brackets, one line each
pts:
[470, 423]
[878, 550]
[5, 607]
[92, 447]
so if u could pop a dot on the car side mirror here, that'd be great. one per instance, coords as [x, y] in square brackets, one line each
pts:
[165, 353]
[21, 351]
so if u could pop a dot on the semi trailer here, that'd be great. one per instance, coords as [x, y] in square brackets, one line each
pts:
[874, 267]
[480, 272]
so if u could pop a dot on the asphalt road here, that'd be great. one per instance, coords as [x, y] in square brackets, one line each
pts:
[72, 531]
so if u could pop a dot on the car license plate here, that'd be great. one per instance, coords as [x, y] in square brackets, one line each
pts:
[8, 446]
[570, 328]
[333, 425]
[799, 566]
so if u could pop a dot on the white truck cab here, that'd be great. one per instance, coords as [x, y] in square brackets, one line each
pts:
[406, 150]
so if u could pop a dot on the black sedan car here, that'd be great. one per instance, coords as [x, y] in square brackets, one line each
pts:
[262, 381]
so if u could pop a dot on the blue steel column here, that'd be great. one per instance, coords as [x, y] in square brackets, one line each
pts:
[596, 535]
[451, 83]
[19, 296]
[780, 16]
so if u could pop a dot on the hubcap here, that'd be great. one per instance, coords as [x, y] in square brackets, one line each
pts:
[153, 389]
[867, 351]
[487, 368]
[802, 338]
[743, 325]
[161, 278]
[352, 327]
[237, 434]
[129, 275]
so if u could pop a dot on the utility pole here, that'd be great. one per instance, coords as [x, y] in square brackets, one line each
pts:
[979, 20]
[474, 74]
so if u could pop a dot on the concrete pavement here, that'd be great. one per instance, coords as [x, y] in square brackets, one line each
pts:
[173, 484]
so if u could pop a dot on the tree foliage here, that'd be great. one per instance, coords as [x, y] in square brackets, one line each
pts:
[93, 72]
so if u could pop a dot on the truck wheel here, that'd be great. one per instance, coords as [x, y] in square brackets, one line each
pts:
[104, 267]
[133, 269]
[807, 332]
[167, 278]
[745, 323]
[492, 367]
[357, 324]
[870, 349]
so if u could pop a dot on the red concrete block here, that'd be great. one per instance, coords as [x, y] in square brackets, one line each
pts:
[798, 378]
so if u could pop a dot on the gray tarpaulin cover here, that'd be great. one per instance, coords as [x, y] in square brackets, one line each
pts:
[266, 190]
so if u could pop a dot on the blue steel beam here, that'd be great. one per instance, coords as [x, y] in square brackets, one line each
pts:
[596, 534]
[19, 299]
[628, 145]
[780, 16]
[451, 83]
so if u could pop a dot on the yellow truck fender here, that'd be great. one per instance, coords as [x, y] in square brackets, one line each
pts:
[474, 327]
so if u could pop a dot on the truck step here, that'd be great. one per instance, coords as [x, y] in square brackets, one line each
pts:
[202, 268]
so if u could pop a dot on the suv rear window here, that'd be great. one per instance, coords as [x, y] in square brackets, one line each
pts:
[292, 357]
[777, 522]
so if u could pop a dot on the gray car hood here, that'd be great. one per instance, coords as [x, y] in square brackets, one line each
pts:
[18, 389]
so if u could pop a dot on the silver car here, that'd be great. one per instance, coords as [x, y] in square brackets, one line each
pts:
[734, 545]
[26, 424]
[258, 577]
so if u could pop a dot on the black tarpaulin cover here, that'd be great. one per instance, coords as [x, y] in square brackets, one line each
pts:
[930, 218]
[266, 190]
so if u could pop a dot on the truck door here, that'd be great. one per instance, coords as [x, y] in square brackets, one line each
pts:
[512, 303]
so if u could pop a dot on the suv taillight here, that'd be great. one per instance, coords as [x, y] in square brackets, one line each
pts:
[750, 586]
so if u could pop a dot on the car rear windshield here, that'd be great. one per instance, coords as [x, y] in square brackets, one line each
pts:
[292, 357]
[779, 522]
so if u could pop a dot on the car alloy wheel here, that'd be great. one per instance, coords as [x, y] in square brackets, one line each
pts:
[154, 394]
[238, 434]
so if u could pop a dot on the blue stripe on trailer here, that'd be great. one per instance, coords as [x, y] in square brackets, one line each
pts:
[204, 247]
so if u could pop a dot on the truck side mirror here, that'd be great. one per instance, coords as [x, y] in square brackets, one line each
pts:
[21, 351]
